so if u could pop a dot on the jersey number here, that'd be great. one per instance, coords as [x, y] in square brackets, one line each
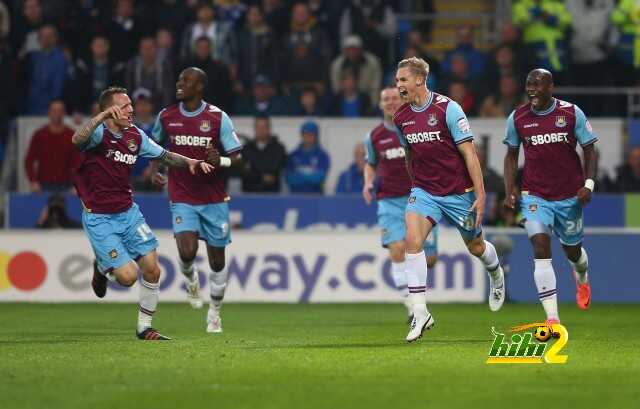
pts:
[145, 232]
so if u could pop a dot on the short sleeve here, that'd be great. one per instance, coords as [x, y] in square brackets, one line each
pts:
[228, 138]
[95, 139]
[370, 153]
[583, 130]
[158, 133]
[511, 135]
[149, 148]
[458, 123]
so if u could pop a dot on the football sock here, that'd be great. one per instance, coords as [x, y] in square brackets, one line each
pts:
[545, 279]
[399, 277]
[490, 260]
[148, 303]
[188, 269]
[581, 266]
[416, 271]
[217, 286]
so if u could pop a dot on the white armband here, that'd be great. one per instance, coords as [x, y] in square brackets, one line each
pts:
[225, 162]
[590, 184]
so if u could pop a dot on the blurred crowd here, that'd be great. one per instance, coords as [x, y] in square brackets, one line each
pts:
[267, 58]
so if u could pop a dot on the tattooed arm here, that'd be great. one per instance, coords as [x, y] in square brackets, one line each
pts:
[175, 160]
[82, 135]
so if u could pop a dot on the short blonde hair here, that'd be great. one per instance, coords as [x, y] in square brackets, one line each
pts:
[418, 66]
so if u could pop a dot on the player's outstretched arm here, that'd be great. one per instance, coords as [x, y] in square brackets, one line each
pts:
[510, 173]
[176, 160]
[468, 152]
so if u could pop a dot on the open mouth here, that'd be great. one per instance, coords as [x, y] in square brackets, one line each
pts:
[403, 92]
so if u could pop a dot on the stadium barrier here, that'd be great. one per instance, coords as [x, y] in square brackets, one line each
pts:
[334, 266]
[338, 137]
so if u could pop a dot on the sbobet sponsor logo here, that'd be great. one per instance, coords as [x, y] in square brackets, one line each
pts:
[273, 272]
[25, 270]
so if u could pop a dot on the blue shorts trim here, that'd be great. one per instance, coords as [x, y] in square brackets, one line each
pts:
[563, 217]
[118, 238]
[455, 208]
[392, 223]
[210, 221]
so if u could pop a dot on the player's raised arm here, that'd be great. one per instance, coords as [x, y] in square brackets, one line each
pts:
[511, 164]
[81, 136]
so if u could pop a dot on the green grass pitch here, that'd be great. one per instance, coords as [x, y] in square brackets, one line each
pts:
[308, 356]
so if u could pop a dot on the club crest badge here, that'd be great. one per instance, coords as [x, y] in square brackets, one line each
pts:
[113, 254]
[205, 126]
[178, 219]
[533, 207]
[132, 145]
[561, 121]
[433, 121]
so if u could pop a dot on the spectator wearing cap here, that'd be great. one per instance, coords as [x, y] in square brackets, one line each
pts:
[93, 75]
[264, 159]
[308, 164]
[349, 102]
[257, 50]
[364, 65]
[144, 119]
[352, 179]
[52, 159]
[147, 70]
[205, 25]
[374, 21]
[476, 60]
[263, 101]
[47, 72]
[306, 53]
[218, 90]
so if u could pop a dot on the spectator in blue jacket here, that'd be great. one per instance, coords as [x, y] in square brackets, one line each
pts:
[352, 179]
[47, 72]
[308, 165]
[464, 46]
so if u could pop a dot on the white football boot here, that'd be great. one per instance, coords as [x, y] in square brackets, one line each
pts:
[214, 322]
[420, 323]
[193, 292]
[497, 294]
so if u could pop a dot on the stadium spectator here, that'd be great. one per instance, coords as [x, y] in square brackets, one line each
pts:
[502, 103]
[328, 14]
[124, 31]
[5, 20]
[146, 70]
[544, 25]
[309, 104]
[349, 102]
[166, 48]
[416, 48]
[373, 21]
[173, 15]
[257, 49]
[626, 16]
[502, 64]
[24, 34]
[460, 92]
[277, 16]
[352, 179]
[93, 75]
[523, 55]
[306, 55]
[231, 12]
[362, 64]
[54, 215]
[476, 60]
[591, 25]
[144, 119]
[263, 101]
[51, 158]
[205, 25]
[47, 72]
[218, 90]
[628, 179]
[308, 164]
[264, 159]
[459, 72]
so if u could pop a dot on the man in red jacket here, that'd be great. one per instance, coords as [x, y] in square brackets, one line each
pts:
[51, 159]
